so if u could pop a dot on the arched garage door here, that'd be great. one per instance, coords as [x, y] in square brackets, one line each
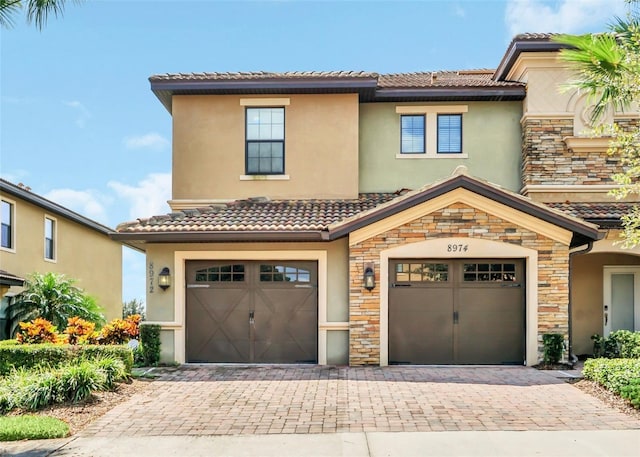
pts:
[252, 312]
[463, 311]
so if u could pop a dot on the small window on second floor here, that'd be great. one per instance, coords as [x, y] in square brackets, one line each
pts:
[265, 141]
[412, 134]
[49, 239]
[449, 133]
[7, 233]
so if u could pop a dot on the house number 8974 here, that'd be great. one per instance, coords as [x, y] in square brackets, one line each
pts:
[457, 247]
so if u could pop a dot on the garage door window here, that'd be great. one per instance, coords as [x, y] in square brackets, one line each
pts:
[422, 272]
[221, 273]
[280, 273]
[497, 272]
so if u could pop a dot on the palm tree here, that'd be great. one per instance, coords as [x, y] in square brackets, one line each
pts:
[55, 298]
[37, 10]
[607, 68]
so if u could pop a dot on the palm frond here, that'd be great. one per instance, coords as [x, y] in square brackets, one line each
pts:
[8, 9]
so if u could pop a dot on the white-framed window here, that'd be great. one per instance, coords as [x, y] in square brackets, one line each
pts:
[8, 225]
[264, 141]
[50, 234]
[431, 131]
[412, 134]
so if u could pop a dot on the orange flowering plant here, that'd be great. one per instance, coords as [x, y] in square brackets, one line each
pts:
[37, 331]
[120, 331]
[80, 331]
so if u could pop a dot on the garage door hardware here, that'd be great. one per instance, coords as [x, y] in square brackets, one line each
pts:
[395, 284]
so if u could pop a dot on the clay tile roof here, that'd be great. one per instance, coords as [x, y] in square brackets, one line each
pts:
[594, 211]
[258, 75]
[534, 36]
[258, 215]
[462, 78]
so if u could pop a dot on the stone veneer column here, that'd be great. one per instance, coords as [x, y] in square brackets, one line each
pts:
[458, 220]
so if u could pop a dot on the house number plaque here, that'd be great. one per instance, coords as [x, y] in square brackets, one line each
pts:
[457, 247]
[150, 275]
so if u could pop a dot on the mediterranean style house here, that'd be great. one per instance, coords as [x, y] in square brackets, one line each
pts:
[449, 217]
[41, 236]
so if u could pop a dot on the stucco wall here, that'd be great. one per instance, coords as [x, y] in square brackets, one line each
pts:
[91, 258]
[490, 139]
[587, 296]
[321, 148]
[161, 304]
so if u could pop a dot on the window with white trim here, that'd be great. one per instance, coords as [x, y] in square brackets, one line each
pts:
[431, 131]
[412, 134]
[265, 141]
[449, 133]
[49, 238]
[7, 234]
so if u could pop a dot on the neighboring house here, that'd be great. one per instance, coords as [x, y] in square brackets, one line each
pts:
[41, 236]
[451, 217]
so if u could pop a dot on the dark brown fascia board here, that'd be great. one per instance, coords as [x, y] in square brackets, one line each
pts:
[165, 89]
[11, 281]
[518, 47]
[580, 231]
[52, 207]
[453, 93]
[214, 236]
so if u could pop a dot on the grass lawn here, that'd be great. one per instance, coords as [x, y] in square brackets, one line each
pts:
[13, 428]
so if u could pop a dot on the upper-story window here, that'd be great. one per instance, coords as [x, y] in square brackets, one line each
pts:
[8, 225]
[49, 238]
[431, 131]
[265, 141]
[449, 133]
[412, 134]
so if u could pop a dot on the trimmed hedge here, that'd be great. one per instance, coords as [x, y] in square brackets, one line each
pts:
[30, 356]
[614, 374]
[150, 342]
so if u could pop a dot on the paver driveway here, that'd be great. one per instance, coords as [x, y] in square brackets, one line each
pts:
[224, 400]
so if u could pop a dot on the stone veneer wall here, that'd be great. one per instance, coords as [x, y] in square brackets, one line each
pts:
[458, 220]
[547, 160]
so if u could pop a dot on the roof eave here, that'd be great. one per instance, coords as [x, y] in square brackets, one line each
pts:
[52, 207]
[452, 93]
[518, 47]
[580, 230]
[165, 89]
[221, 236]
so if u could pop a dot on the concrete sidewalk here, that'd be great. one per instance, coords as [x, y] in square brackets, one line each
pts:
[406, 444]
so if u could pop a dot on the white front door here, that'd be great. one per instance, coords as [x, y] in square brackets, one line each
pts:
[621, 299]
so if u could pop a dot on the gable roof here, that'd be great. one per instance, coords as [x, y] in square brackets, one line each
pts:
[370, 86]
[582, 231]
[324, 220]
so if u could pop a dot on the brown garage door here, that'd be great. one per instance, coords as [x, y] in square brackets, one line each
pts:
[469, 311]
[251, 312]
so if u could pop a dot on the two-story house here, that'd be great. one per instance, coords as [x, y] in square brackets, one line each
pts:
[449, 217]
[39, 235]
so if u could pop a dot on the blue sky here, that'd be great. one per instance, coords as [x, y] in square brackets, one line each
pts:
[79, 125]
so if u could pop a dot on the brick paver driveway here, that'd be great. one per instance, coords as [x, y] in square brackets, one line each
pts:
[224, 400]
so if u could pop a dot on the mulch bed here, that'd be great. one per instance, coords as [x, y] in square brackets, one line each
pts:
[79, 415]
[606, 396]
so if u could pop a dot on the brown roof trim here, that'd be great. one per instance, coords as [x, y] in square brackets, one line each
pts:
[9, 279]
[48, 205]
[220, 236]
[582, 231]
[525, 43]
[457, 93]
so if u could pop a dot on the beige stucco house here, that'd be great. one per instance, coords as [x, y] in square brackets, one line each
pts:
[449, 217]
[41, 236]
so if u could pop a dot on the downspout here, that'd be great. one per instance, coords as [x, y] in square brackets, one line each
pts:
[572, 357]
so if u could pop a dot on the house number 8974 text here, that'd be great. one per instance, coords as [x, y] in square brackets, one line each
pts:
[457, 247]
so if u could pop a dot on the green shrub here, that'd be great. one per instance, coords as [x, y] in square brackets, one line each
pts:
[621, 343]
[632, 392]
[8, 342]
[150, 339]
[34, 355]
[113, 369]
[39, 387]
[613, 374]
[553, 347]
[14, 428]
